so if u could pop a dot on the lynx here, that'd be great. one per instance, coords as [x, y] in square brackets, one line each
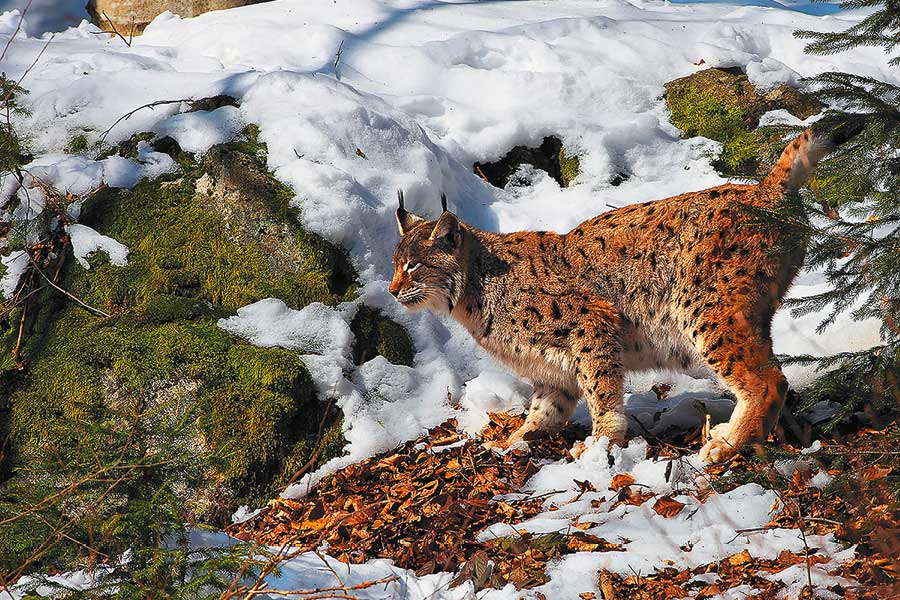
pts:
[681, 283]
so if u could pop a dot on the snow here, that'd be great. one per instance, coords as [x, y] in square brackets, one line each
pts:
[423, 89]
[199, 131]
[16, 263]
[47, 15]
[85, 241]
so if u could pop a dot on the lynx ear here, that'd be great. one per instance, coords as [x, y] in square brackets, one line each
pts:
[405, 220]
[446, 229]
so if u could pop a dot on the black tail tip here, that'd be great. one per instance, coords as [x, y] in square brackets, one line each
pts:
[840, 128]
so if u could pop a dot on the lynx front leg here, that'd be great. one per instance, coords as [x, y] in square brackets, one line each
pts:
[549, 411]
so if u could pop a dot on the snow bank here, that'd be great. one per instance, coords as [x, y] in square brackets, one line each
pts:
[420, 92]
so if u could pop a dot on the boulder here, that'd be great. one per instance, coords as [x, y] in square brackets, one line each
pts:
[127, 16]
[214, 236]
[723, 105]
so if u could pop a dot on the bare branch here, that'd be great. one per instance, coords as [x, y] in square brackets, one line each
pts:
[116, 31]
[128, 115]
[16, 32]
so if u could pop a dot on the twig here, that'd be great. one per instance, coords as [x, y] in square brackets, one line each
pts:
[18, 347]
[739, 532]
[318, 452]
[821, 520]
[16, 32]
[337, 57]
[328, 592]
[12, 89]
[74, 298]
[330, 568]
[128, 115]
[116, 31]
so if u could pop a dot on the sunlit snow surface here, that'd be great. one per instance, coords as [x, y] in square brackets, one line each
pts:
[425, 88]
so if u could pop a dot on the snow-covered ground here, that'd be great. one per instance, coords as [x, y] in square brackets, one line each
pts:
[424, 88]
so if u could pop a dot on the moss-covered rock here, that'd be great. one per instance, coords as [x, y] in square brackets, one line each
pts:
[377, 334]
[722, 105]
[203, 242]
[550, 157]
[569, 167]
[77, 144]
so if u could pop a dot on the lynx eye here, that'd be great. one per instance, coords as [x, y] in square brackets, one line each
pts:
[410, 269]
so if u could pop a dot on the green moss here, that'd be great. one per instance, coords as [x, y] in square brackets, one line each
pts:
[569, 167]
[249, 143]
[745, 152]
[129, 147]
[188, 266]
[377, 334]
[741, 149]
[77, 144]
[697, 112]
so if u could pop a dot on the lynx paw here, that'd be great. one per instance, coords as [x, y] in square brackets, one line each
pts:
[718, 448]
[578, 449]
[613, 426]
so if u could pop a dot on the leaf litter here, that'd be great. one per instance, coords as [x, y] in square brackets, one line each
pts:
[424, 504]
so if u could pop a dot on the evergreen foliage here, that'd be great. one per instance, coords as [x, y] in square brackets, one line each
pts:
[881, 28]
[11, 147]
[850, 219]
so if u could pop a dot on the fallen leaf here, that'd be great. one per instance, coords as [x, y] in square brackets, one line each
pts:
[621, 480]
[873, 472]
[668, 507]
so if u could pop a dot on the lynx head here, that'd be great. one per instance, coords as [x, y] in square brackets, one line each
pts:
[429, 271]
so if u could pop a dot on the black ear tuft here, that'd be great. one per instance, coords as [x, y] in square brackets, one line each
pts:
[443, 202]
[405, 220]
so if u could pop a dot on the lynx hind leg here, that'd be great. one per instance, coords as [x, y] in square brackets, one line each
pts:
[598, 369]
[550, 409]
[741, 355]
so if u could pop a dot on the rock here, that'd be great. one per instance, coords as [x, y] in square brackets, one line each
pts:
[550, 157]
[213, 103]
[203, 242]
[376, 334]
[722, 104]
[127, 16]
[799, 104]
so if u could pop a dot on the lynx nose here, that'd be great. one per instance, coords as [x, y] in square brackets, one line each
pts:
[394, 288]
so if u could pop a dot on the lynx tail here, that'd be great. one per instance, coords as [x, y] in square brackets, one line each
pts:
[797, 161]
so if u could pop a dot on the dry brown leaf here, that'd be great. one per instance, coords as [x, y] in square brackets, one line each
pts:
[873, 472]
[621, 480]
[740, 559]
[668, 507]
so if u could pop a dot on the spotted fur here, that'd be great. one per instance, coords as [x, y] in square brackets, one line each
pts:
[678, 283]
